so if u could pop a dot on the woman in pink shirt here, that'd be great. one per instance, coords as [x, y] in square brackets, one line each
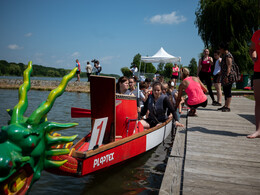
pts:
[255, 53]
[204, 73]
[175, 73]
[195, 91]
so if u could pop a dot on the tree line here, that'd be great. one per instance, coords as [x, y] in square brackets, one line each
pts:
[17, 69]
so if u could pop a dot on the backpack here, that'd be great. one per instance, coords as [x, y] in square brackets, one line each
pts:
[237, 72]
[234, 75]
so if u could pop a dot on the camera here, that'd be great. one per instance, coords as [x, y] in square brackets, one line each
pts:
[94, 61]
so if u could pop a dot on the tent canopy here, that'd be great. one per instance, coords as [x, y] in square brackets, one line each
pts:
[160, 57]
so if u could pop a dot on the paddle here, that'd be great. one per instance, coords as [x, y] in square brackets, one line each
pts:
[80, 113]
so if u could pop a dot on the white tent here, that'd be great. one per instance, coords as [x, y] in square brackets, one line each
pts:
[160, 57]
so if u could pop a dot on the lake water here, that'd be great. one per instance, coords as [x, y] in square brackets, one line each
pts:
[141, 175]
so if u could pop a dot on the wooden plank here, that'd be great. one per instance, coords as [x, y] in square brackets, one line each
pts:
[172, 179]
[219, 158]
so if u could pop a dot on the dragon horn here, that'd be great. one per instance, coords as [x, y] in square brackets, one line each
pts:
[36, 116]
[20, 108]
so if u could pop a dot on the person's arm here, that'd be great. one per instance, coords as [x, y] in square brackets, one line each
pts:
[229, 64]
[168, 104]
[211, 61]
[203, 87]
[178, 99]
[144, 108]
[199, 67]
[252, 52]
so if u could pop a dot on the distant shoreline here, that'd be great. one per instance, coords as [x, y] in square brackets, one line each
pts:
[45, 85]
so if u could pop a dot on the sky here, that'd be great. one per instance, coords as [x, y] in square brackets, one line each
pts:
[54, 33]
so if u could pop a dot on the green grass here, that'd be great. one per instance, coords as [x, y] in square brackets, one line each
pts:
[251, 97]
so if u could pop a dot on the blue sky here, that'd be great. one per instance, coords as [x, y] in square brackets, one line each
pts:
[55, 33]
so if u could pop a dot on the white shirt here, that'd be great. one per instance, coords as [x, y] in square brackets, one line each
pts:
[134, 70]
[217, 67]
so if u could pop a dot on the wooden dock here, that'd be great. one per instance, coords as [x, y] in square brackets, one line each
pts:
[213, 156]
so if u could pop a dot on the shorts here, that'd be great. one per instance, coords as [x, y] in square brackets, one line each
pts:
[78, 72]
[256, 75]
[216, 78]
[174, 77]
[203, 104]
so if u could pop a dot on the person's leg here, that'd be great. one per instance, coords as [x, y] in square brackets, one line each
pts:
[228, 97]
[145, 124]
[209, 86]
[256, 134]
[225, 91]
[174, 80]
[88, 75]
[219, 92]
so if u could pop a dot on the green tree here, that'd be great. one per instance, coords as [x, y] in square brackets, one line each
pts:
[145, 67]
[150, 68]
[160, 67]
[15, 69]
[51, 73]
[168, 70]
[126, 72]
[193, 67]
[232, 21]
[136, 60]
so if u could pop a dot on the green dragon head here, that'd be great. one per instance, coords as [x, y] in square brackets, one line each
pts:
[27, 143]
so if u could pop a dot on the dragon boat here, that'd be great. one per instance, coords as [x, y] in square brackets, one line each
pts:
[116, 135]
[31, 144]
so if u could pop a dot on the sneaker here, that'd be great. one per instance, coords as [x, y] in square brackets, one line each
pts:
[217, 104]
[226, 110]
[214, 103]
[223, 107]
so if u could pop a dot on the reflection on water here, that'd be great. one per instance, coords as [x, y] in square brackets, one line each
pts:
[140, 175]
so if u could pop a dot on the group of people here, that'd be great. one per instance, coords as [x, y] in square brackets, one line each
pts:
[155, 102]
[95, 69]
[225, 74]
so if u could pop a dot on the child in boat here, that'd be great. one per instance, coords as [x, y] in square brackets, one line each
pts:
[157, 104]
[195, 91]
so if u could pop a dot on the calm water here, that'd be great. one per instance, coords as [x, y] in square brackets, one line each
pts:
[141, 175]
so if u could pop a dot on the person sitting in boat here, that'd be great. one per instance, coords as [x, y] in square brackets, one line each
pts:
[195, 90]
[122, 86]
[132, 85]
[143, 93]
[148, 83]
[157, 104]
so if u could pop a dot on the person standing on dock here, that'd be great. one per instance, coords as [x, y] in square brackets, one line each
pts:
[89, 70]
[78, 70]
[255, 53]
[175, 73]
[204, 73]
[228, 75]
[216, 77]
[195, 91]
